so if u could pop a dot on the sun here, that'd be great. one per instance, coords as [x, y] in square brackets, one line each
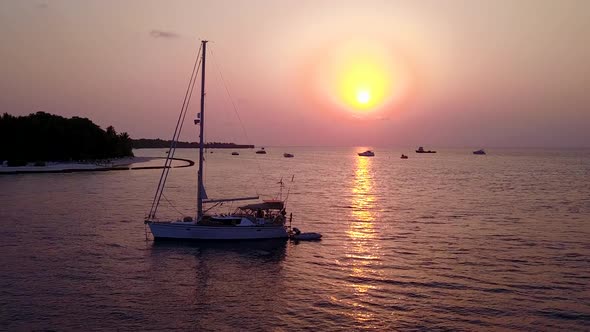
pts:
[362, 77]
[363, 97]
[363, 85]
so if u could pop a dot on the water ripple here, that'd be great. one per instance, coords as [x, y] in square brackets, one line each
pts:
[439, 243]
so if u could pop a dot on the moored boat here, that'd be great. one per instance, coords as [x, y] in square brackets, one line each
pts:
[479, 152]
[367, 153]
[421, 150]
[297, 235]
[262, 220]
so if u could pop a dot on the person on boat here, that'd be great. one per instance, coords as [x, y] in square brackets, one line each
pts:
[279, 219]
[259, 213]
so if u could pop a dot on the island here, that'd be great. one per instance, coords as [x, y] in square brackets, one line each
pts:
[42, 137]
[157, 143]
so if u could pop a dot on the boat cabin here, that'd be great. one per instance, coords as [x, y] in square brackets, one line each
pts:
[265, 213]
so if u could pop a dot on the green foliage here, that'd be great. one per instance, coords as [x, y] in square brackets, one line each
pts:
[46, 137]
[147, 143]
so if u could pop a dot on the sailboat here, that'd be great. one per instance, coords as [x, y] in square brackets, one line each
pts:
[260, 220]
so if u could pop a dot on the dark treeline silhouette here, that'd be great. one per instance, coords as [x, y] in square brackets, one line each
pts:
[148, 143]
[46, 137]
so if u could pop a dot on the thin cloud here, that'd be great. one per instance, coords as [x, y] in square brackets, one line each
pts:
[163, 34]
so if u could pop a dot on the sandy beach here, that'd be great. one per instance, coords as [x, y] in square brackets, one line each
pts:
[77, 166]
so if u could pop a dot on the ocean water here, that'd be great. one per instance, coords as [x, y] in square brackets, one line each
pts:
[448, 241]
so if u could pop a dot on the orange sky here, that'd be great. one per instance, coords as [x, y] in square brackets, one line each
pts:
[435, 73]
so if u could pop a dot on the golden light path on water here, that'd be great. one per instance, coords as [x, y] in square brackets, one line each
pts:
[362, 248]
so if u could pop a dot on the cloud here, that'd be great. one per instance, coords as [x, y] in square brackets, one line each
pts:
[163, 34]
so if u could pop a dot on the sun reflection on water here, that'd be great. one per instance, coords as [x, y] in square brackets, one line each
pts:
[362, 250]
[363, 199]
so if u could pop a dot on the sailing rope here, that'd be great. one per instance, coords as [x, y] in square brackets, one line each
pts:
[172, 205]
[235, 109]
[175, 137]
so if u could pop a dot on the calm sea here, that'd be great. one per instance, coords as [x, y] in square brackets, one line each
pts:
[448, 241]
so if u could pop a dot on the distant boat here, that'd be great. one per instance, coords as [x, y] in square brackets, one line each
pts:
[481, 151]
[261, 151]
[235, 153]
[421, 150]
[404, 156]
[367, 153]
[288, 155]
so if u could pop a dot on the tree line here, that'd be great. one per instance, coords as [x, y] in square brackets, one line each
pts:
[157, 143]
[46, 137]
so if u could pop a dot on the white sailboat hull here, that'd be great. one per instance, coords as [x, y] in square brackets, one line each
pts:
[192, 231]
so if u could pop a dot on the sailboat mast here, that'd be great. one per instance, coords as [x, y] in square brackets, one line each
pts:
[200, 190]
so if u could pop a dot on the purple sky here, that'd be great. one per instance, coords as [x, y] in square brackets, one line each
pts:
[460, 73]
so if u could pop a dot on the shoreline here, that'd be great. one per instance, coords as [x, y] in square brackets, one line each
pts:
[96, 166]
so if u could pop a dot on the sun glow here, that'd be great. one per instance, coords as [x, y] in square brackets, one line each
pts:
[364, 84]
[364, 77]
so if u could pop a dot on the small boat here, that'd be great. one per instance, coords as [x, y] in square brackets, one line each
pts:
[367, 153]
[404, 156]
[421, 150]
[296, 235]
[235, 153]
[288, 155]
[480, 152]
[261, 151]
